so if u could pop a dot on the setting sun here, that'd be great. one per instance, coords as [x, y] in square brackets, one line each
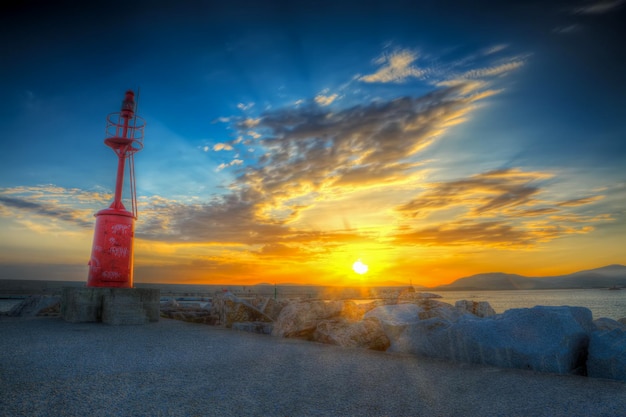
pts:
[359, 267]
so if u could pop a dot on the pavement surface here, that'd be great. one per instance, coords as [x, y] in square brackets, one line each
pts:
[52, 368]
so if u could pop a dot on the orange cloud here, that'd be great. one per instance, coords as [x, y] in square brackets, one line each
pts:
[482, 193]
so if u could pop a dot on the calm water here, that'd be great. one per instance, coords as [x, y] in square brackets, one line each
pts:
[601, 302]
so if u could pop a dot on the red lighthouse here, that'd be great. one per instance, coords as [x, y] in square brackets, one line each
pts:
[111, 263]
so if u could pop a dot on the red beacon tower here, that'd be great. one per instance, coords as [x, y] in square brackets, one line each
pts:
[111, 263]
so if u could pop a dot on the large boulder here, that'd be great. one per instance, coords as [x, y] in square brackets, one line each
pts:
[354, 312]
[396, 313]
[269, 306]
[434, 308]
[607, 354]
[477, 308]
[545, 339]
[395, 318]
[231, 309]
[272, 307]
[367, 334]
[300, 319]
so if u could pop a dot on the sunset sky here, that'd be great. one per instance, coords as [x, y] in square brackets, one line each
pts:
[285, 140]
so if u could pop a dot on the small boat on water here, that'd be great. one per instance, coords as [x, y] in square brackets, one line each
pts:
[614, 287]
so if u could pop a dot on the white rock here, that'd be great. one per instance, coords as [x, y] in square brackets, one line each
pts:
[396, 314]
[477, 308]
[367, 333]
[300, 319]
[230, 309]
[396, 317]
[546, 339]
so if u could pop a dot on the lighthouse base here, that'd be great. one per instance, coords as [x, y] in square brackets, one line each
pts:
[116, 306]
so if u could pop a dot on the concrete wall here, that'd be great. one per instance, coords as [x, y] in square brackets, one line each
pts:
[117, 306]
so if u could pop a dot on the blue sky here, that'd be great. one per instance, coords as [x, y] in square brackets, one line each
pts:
[286, 139]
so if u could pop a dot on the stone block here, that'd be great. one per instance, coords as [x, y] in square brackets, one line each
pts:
[115, 306]
[607, 354]
[82, 305]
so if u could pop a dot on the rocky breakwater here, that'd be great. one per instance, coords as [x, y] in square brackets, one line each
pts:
[334, 322]
[37, 305]
[545, 339]
[562, 340]
[228, 310]
[191, 312]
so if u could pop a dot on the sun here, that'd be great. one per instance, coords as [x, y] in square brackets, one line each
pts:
[359, 267]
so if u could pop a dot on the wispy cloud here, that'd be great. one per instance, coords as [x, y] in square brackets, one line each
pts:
[401, 65]
[495, 49]
[46, 209]
[222, 147]
[580, 201]
[325, 100]
[492, 70]
[598, 7]
[569, 29]
[592, 7]
[310, 150]
[503, 208]
[482, 193]
[73, 206]
[493, 233]
[234, 162]
[395, 67]
[245, 106]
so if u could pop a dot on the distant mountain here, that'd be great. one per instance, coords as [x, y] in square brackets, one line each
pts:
[604, 277]
[609, 270]
[492, 280]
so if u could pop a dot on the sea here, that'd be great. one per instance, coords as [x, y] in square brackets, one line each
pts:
[601, 302]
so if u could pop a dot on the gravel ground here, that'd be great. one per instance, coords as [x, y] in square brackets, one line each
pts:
[52, 368]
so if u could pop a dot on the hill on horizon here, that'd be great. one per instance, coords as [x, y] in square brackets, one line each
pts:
[603, 277]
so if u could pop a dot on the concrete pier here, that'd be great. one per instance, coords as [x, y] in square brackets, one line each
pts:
[116, 306]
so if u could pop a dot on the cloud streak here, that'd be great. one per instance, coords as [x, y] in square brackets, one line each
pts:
[493, 191]
[310, 151]
[500, 208]
[73, 206]
[395, 67]
[598, 7]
